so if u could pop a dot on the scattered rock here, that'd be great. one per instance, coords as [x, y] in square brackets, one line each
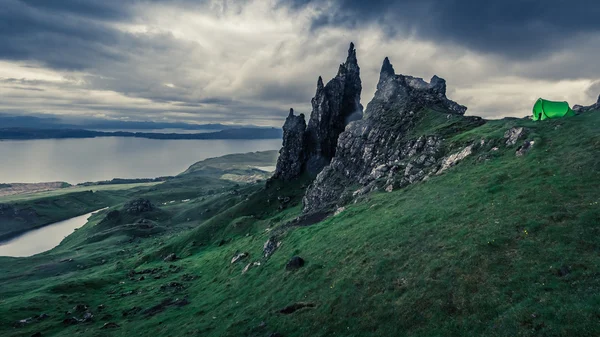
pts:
[110, 325]
[339, 211]
[512, 135]
[295, 262]
[270, 246]
[295, 307]
[250, 265]
[455, 158]
[523, 149]
[170, 258]
[87, 317]
[238, 257]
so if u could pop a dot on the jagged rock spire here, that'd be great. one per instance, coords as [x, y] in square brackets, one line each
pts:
[334, 106]
[387, 69]
[292, 155]
[311, 147]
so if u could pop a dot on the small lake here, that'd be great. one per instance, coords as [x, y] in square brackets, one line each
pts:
[95, 159]
[43, 239]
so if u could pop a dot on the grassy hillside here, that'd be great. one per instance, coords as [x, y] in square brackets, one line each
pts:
[499, 245]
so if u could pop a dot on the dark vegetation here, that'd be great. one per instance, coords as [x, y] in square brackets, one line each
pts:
[499, 245]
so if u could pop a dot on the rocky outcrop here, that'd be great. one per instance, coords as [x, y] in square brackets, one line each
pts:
[311, 147]
[593, 107]
[390, 148]
[139, 206]
[292, 156]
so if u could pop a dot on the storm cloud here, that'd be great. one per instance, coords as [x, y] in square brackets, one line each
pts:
[249, 61]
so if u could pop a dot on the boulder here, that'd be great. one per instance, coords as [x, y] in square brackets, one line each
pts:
[294, 263]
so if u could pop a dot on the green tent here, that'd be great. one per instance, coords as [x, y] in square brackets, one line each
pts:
[544, 109]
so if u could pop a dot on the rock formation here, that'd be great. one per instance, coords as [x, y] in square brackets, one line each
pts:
[292, 156]
[593, 107]
[387, 149]
[333, 107]
[310, 148]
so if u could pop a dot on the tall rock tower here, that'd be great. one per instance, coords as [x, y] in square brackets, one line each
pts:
[311, 148]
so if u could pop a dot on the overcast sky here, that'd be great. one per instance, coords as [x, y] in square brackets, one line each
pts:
[249, 61]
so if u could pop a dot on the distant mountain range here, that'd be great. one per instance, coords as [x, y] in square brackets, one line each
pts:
[33, 122]
[240, 133]
[31, 127]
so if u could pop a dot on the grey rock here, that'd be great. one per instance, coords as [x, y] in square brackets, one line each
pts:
[170, 258]
[270, 246]
[523, 149]
[512, 135]
[377, 151]
[309, 148]
[292, 156]
[238, 257]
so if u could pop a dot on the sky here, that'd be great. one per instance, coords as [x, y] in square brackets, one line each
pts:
[249, 61]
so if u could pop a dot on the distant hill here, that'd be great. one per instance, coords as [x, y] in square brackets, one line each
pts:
[239, 133]
[34, 122]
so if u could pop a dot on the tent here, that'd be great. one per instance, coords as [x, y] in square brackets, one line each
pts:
[544, 109]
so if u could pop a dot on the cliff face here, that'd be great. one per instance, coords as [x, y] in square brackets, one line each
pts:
[310, 148]
[385, 149]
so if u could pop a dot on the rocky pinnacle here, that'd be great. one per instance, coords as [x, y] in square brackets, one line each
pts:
[310, 148]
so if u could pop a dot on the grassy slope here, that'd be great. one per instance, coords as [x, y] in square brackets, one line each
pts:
[476, 251]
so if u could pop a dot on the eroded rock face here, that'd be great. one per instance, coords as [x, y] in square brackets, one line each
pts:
[385, 150]
[311, 147]
[292, 156]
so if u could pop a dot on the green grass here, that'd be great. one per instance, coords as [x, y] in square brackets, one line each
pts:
[477, 251]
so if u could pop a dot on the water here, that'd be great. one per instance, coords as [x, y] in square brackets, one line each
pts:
[43, 239]
[95, 159]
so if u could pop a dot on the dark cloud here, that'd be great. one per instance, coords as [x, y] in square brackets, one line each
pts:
[513, 28]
